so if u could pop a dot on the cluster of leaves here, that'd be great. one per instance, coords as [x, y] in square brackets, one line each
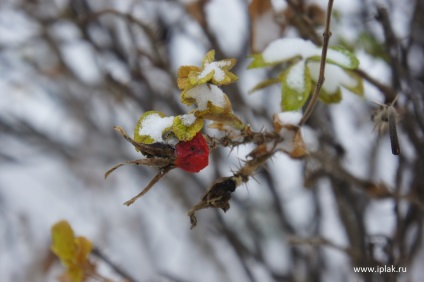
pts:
[72, 251]
[298, 78]
[200, 87]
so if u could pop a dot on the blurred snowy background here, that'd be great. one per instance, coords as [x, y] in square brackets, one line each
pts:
[72, 69]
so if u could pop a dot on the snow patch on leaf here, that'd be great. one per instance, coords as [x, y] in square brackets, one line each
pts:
[296, 87]
[188, 119]
[287, 145]
[205, 93]
[185, 127]
[216, 68]
[334, 77]
[295, 79]
[286, 124]
[288, 48]
[342, 57]
[290, 117]
[153, 125]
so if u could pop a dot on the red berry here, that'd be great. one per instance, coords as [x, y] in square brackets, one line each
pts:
[193, 155]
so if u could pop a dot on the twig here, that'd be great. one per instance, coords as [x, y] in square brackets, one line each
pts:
[115, 267]
[326, 35]
[388, 92]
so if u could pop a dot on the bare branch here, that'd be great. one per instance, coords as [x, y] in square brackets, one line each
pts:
[326, 35]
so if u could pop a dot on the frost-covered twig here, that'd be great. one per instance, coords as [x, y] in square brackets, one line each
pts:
[326, 35]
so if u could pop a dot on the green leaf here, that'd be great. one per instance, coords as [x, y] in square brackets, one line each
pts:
[185, 127]
[296, 86]
[330, 98]
[339, 56]
[258, 62]
[358, 89]
[371, 45]
[264, 84]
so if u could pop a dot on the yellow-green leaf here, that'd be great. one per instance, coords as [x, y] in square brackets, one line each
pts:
[342, 57]
[205, 96]
[183, 73]
[358, 88]
[72, 252]
[296, 86]
[209, 58]
[226, 118]
[263, 84]
[330, 98]
[150, 127]
[84, 248]
[257, 62]
[215, 72]
[63, 242]
[185, 127]
[211, 71]
[339, 56]
[75, 273]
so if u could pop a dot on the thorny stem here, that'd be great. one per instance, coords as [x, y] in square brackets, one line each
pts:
[218, 194]
[326, 35]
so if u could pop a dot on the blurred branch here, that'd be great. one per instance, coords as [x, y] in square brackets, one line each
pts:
[114, 266]
[318, 242]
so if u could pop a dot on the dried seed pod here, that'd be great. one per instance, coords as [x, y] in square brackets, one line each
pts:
[393, 131]
[386, 117]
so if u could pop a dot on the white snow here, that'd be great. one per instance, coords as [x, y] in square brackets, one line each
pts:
[290, 117]
[287, 48]
[219, 74]
[296, 77]
[206, 93]
[153, 125]
[334, 75]
[188, 119]
[178, 58]
[229, 21]
[339, 58]
[288, 143]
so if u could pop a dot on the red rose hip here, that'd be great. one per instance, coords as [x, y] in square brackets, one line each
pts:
[192, 156]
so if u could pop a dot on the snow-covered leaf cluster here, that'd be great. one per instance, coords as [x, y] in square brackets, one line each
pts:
[200, 87]
[300, 74]
[156, 127]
